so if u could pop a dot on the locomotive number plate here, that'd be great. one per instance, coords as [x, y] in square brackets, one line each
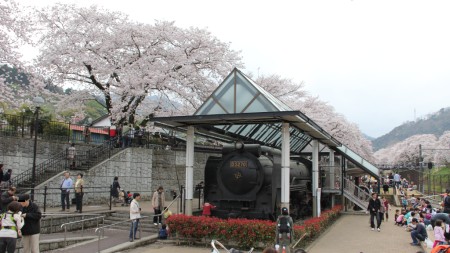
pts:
[238, 164]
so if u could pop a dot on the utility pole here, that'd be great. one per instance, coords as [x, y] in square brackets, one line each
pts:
[421, 167]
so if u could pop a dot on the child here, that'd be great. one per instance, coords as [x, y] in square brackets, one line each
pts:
[122, 197]
[128, 198]
[163, 232]
[166, 213]
[399, 220]
[438, 234]
[397, 213]
[207, 209]
[404, 202]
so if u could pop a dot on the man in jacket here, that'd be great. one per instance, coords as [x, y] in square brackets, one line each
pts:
[419, 234]
[32, 228]
[374, 209]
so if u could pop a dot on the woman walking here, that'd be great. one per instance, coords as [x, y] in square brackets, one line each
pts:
[115, 188]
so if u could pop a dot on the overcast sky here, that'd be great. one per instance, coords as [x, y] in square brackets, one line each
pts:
[379, 63]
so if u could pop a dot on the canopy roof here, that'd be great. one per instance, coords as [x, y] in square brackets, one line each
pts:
[239, 109]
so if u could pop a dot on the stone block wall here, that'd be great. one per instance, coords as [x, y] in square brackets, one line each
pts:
[139, 170]
[17, 153]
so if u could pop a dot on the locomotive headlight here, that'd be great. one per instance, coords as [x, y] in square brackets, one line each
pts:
[239, 145]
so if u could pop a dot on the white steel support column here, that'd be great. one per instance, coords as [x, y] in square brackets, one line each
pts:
[333, 183]
[315, 177]
[285, 163]
[189, 170]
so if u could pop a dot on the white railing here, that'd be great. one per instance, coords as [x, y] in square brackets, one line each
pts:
[356, 194]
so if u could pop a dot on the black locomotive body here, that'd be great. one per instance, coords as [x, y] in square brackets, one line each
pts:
[246, 183]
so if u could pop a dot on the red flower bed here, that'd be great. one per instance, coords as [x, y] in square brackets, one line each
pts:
[246, 233]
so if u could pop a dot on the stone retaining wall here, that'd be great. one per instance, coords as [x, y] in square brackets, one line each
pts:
[17, 153]
[139, 170]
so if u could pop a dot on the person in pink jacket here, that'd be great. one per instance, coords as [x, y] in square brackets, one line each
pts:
[438, 234]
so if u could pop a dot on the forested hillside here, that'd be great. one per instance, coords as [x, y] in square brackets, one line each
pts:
[435, 123]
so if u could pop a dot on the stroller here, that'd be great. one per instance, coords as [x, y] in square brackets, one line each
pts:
[215, 250]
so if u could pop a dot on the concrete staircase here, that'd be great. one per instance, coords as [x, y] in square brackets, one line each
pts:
[145, 224]
[58, 163]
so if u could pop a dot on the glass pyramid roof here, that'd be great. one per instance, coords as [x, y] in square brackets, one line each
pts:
[238, 94]
[239, 109]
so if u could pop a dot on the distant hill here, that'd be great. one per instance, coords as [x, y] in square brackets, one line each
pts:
[370, 138]
[435, 123]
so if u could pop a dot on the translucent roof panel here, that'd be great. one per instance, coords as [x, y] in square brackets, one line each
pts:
[241, 109]
[246, 93]
[238, 94]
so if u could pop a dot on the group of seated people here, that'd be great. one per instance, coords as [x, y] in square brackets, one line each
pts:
[418, 217]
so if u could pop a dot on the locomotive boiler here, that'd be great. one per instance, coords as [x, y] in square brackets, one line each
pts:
[246, 183]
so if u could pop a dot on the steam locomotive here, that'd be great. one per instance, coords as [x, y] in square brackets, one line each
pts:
[246, 183]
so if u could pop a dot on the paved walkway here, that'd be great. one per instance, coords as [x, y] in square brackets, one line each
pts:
[350, 233]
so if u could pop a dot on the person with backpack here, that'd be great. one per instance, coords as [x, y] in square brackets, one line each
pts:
[284, 232]
[12, 223]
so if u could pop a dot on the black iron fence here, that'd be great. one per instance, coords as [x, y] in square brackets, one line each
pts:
[24, 126]
[58, 163]
[436, 184]
[99, 196]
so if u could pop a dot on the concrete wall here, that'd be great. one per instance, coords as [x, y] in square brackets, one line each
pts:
[17, 153]
[139, 170]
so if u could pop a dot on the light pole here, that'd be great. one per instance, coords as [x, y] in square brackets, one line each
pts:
[37, 101]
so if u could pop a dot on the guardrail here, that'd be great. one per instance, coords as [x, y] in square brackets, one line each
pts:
[52, 216]
[82, 226]
[100, 231]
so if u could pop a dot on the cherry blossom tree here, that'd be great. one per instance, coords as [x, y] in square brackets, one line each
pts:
[337, 125]
[10, 34]
[127, 62]
[294, 95]
[406, 153]
[284, 89]
[15, 24]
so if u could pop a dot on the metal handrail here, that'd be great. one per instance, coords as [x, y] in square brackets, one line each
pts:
[64, 225]
[360, 193]
[102, 229]
[68, 214]
[170, 204]
[58, 162]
